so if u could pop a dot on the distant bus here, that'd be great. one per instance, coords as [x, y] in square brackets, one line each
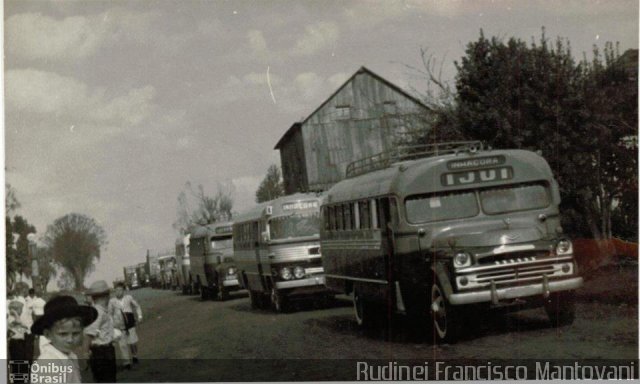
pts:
[131, 277]
[167, 265]
[429, 234]
[211, 260]
[277, 249]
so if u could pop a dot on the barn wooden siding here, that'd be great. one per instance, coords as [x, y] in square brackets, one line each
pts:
[379, 116]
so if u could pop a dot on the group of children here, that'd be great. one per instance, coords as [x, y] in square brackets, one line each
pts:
[65, 329]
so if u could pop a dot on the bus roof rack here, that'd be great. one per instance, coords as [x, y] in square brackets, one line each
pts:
[410, 152]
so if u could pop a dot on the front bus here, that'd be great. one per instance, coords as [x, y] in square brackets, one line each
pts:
[454, 230]
[277, 249]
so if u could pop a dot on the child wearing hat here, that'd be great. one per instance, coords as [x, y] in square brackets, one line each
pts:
[101, 335]
[60, 328]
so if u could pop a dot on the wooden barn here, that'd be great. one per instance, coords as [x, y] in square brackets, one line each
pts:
[365, 116]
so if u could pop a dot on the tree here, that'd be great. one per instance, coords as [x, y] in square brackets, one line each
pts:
[75, 241]
[195, 207]
[514, 95]
[271, 186]
[22, 228]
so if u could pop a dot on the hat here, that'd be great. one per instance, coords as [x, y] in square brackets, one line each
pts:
[63, 307]
[98, 288]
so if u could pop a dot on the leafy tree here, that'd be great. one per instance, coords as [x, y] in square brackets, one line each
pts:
[195, 207]
[75, 241]
[514, 95]
[271, 186]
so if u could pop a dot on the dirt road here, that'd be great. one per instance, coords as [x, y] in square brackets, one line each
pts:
[185, 339]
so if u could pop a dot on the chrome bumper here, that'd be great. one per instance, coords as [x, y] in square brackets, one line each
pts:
[230, 283]
[495, 294]
[308, 282]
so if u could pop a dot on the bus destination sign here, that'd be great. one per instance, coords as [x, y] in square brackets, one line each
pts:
[477, 176]
[478, 162]
[295, 205]
[224, 230]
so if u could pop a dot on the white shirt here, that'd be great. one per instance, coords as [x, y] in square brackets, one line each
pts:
[37, 306]
[25, 316]
[50, 355]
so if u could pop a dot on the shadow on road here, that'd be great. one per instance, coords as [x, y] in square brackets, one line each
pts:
[403, 329]
[296, 305]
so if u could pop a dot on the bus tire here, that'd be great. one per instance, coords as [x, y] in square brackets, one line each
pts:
[445, 318]
[278, 301]
[223, 294]
[363, 310]
[560, 308]
[204, 293]
[256, 299]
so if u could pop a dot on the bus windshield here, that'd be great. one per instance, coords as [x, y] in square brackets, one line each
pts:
[513, 198]
[295, 225]
[221, 242]
[441, 206]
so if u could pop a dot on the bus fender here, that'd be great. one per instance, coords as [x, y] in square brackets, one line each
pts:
[443, 279]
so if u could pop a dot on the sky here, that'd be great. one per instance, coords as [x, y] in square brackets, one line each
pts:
[112, 106]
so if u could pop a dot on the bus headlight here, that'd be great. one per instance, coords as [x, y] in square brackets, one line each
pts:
[231, 271]
[461, 259]
[564, 247]
[298, 272]
[285, 273]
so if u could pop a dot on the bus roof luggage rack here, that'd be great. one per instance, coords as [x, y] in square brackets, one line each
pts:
[410, 152]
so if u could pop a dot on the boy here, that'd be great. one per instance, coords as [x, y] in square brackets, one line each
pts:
[121, 309]
[61, 327]
[101, 336]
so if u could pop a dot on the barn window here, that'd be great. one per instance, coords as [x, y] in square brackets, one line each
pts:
[343, 112]
[390, 108]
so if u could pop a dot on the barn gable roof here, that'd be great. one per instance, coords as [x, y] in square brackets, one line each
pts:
[362, 70]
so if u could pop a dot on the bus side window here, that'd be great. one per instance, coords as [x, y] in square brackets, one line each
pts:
[374, 214]
[383, 212]
[393, 212]
[356, 215]
[332, 218]
[339, 219]
[364, 214]
[346, 208]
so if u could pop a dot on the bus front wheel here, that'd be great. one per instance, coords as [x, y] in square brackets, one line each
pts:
[445, 318]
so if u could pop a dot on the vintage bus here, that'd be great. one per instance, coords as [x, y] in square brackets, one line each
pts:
[277, 250]
[131, 279]
[212, 263]
[183, 264]
[432, 231]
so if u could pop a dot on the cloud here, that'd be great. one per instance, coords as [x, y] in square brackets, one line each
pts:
[337, 79]
[34, 36]
[316, 38]
[257, 42]
[41, 92]
[308, 85]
